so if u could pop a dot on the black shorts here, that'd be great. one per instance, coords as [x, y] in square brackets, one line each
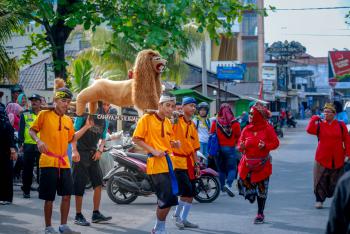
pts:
[86, 170]
[162, 186]
[186, 186]
[53, 179]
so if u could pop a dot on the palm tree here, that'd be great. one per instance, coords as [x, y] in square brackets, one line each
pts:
[9, 23]
[115, 63]
[80, 70]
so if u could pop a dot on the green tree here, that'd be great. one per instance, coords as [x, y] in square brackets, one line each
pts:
[155, 24]
[8, 24]
[80, 71]
[115, 62]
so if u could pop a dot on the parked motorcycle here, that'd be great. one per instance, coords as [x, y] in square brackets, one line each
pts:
[128, 179]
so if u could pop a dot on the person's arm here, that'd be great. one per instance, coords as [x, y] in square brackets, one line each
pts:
[236, 129]
[41, 145]
[78, 134]
[272, 142]
[21, 130]
[146, 147]
[241, 141]
[99, 151]
[11, 136]
[213, 127]
[35, 128]
[312, 126]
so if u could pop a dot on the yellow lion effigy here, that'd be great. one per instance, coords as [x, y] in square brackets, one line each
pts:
[142, 91]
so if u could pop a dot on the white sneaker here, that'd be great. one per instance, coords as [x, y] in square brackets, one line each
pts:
[179, 223]
[319, 205]
[50, 230]
[66, 230]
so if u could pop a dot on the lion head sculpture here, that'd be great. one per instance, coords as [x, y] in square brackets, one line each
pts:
[148, 66]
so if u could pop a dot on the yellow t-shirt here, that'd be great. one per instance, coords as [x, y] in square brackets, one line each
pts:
[187, 133]
[55, 131]
[156, 133]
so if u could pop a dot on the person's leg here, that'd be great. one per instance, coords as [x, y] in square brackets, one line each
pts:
[65, 205]
[27, 178]
[95, 174]
[231, 166]
[219, 161]
[166, 199]
[6, 178]
[97, 198]
[261, 205]
[78, 204]
[48, 212]
[161, 218]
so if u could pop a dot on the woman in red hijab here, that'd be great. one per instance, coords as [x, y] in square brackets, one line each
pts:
[228, 131]
[255, 168]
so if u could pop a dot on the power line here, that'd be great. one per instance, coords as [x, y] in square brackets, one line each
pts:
[317, 35]
[310, 8]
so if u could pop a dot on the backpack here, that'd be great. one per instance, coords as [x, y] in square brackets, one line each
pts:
[318, 130]
[213, 144]
[207, 122]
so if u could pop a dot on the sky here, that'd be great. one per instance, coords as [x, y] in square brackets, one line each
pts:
[318, 30]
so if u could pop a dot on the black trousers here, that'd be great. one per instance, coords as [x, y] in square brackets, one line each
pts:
[29, 159]
[6, 178]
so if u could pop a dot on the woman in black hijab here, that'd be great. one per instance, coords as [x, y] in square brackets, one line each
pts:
[7, 156]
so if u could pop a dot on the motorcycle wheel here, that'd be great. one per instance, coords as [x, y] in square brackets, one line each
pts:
[117, 194]
[207, 189]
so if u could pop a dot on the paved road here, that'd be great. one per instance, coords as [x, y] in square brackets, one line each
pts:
[289, 207]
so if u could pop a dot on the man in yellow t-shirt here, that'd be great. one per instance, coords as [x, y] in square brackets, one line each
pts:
[186, 161]
[56, 131]
[154, 134]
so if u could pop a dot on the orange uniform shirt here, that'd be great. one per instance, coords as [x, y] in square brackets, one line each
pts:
[187, 133]
[156, 133]
[55, 131]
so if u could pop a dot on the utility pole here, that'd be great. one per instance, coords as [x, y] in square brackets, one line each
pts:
[204, 70]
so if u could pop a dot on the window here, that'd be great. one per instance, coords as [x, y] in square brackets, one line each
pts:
[246, 2]
[250, 24]
[250, 50]
[226, 50]
[251, 73]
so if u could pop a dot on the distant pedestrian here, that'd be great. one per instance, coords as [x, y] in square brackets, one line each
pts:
[333, 146]
[202, 123]
[22, 101]
[339, 215]
[27, 145]
[7, 156]
[257, 140]
[228, 131]
[341, 114]
[13, 111]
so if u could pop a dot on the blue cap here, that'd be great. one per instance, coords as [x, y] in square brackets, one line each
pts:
[188, 100]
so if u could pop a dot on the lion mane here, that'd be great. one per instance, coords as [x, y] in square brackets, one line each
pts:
[142, 91]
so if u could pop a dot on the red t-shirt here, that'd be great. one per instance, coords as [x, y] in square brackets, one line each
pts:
[223, 139]
[334, 142]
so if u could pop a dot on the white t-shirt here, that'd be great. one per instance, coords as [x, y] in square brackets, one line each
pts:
[203, 129]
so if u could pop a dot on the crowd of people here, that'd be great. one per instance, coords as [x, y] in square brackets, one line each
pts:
[242, 155]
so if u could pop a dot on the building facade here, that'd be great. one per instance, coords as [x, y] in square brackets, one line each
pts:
[246, 46]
